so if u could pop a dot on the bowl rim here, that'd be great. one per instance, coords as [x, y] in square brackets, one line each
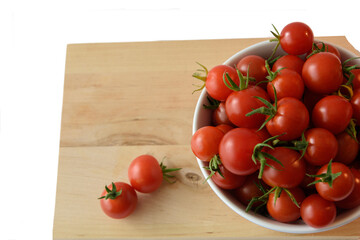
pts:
[260, 220]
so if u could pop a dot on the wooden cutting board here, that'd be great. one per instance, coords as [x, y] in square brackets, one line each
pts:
[122, 100]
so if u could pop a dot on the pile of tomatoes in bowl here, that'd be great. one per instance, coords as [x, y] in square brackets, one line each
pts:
[275, 132]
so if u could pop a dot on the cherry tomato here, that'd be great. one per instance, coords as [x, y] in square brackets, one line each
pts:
[250, 189]
[342, 185]
[322, 146]
[255, 65]
[284, 209]
[219, 115]
[355, 103]
[296, 38]
[291, 118]
[290, 175]
[287, 83]
[332, 113]
[290, 62]
[224, 127]
[347, 150]
[322, 73]
[356, 80]
[215, 85]
[327, 48]
[317, 212]
[145, 174]
[239, 103]
[205, 142]
[353, 200]
[229, 181]
[118, 202]
[236, 149]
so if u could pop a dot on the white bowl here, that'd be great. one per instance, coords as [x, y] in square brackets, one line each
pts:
[202, 117]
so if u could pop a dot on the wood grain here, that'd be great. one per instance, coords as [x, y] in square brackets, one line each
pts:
[126, 99]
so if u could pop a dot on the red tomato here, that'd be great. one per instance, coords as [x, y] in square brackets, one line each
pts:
[205, 142]
[305, 184]
[229, 181]
[353, 200]
[356, 80]
[236, 149]
[287, 83]
[355, 103]
[239, 103]
[145, 174]
[310, 99]
[341, 187]
[322, 73]
[250, 189]
[215, 85]
[296, 38]
[224, 128]
[317, 212]
[118, 202]
[219, 115]
[332, 113]
[290, 62]
[291, 118]
[290, 174]
[322, 146]
[328, 48]
[255, 65]
[284, 209]
[347, 150]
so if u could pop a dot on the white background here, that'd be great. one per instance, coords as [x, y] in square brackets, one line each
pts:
[33, 39]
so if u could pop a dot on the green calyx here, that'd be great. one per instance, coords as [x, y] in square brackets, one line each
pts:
[214, 167]
[213, 103]
[261, 156]
[265, 197]
[165, 172]
[298, 145]
[315, 49]
[276, 34]
[347, 70]
[243, 80]
[327, 177]
[111, 194]
[200, 74]
[270, 109]
[351, 130]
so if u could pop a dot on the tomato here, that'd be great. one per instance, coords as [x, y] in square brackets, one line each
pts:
[255, 65]
[353, 200]
[290, 175]
[145, 174]
[239, 103]
[287, 83]
[355, 103]
[310, 99]
[250, 189]
[205, 142]
[215, 85]
[347, 150]
[291, 118]
[305, 184]
[322, 146]
[317, 212]
[342, 185]
[219, 115]
[325, 47]
[332, 113]
[284, 209]
[236, 149]
[290, 62]
[356, 80]
[229, 181]
[119, 201]
[224, 127]
[322, 73]
[296, 38]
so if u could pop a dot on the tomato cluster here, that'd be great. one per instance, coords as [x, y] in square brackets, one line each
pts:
[283, 135]
[118, 200]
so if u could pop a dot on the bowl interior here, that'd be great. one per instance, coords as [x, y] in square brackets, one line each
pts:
[202, 117]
